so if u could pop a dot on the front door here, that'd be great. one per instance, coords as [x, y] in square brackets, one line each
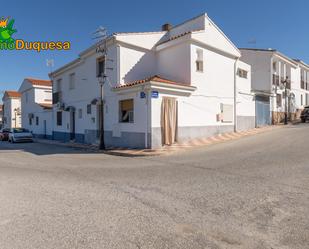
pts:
[72, 134]
[169, 120]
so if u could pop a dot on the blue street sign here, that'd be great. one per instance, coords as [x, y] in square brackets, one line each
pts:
[155, 94]
[143, 95]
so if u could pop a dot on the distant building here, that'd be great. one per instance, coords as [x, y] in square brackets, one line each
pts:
[270, 70]
[36, 102]
[11, 109]
[1, 116]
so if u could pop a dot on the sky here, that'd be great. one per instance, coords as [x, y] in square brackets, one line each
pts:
[278, 24]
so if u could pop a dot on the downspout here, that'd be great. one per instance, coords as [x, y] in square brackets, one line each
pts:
[235, 93]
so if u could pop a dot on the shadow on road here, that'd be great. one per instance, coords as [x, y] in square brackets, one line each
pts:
[41, 149]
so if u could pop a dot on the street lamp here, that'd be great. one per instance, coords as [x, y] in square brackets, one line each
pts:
[285, 86]
[101, 79]
[101, 35]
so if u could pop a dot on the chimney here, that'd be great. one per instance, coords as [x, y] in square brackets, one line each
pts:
[166, 27]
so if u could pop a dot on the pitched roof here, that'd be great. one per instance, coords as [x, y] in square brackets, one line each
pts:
[12, 94]
[38, 82]
[275, 51]
[46, 106]
[155, 78]
[175, 37]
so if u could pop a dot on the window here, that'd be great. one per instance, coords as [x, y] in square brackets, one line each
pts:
[58, 85]
[275, 66]
[242, 73]
[126, 111]
[30, 121]
[89, 109]
[72, 81]
[37, 120]
[80, 113]
[47, 95]
[59, 118]
[301, 99]
[100, 66]
[279, 100]
[199, 60]
[227, 113]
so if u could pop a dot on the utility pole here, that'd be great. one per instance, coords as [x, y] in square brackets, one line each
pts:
[50, 64]
[101, 35]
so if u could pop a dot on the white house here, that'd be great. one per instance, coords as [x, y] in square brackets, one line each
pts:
[245, 98]
[271, 71]
[301, 87]
[36, 102]
[163, 87]
[11, 109]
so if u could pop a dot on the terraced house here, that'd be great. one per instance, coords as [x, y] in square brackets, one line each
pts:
[36, 105]
[272, 71]
[11, 109]
[167, 86]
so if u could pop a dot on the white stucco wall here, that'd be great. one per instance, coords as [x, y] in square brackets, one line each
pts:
[10, 104]
[31, 97]
[261, 68]
[245, 99]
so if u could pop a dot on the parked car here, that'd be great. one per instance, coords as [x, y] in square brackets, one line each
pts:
[4, 134]
[20, 135]
[305, 114]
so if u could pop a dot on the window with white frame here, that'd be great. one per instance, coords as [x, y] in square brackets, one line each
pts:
[126, 111]
[89, 109]
[199, 60]
[275, 66]
[72, 81]
[80, 113]
[58, 85]
[242, 73]
[100, 66]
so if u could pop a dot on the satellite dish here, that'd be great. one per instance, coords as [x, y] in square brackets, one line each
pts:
[281, 86]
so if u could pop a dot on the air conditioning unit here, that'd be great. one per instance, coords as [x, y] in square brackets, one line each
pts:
[60, 106]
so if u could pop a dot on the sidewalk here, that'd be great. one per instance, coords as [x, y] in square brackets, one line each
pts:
[195, 143]
[166, 149]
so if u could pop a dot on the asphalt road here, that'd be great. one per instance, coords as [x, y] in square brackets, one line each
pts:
[251, 193]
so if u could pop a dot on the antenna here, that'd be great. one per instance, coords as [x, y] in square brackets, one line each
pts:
[100, 34]
[50, 64]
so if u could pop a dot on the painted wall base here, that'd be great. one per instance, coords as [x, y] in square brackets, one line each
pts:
[133, 140]
[66, 137]
[189, 133]
[245, 123]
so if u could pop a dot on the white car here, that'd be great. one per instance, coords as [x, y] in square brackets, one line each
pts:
[20, 135]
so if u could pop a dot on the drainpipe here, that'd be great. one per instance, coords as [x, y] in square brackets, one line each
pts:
[235, 93]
